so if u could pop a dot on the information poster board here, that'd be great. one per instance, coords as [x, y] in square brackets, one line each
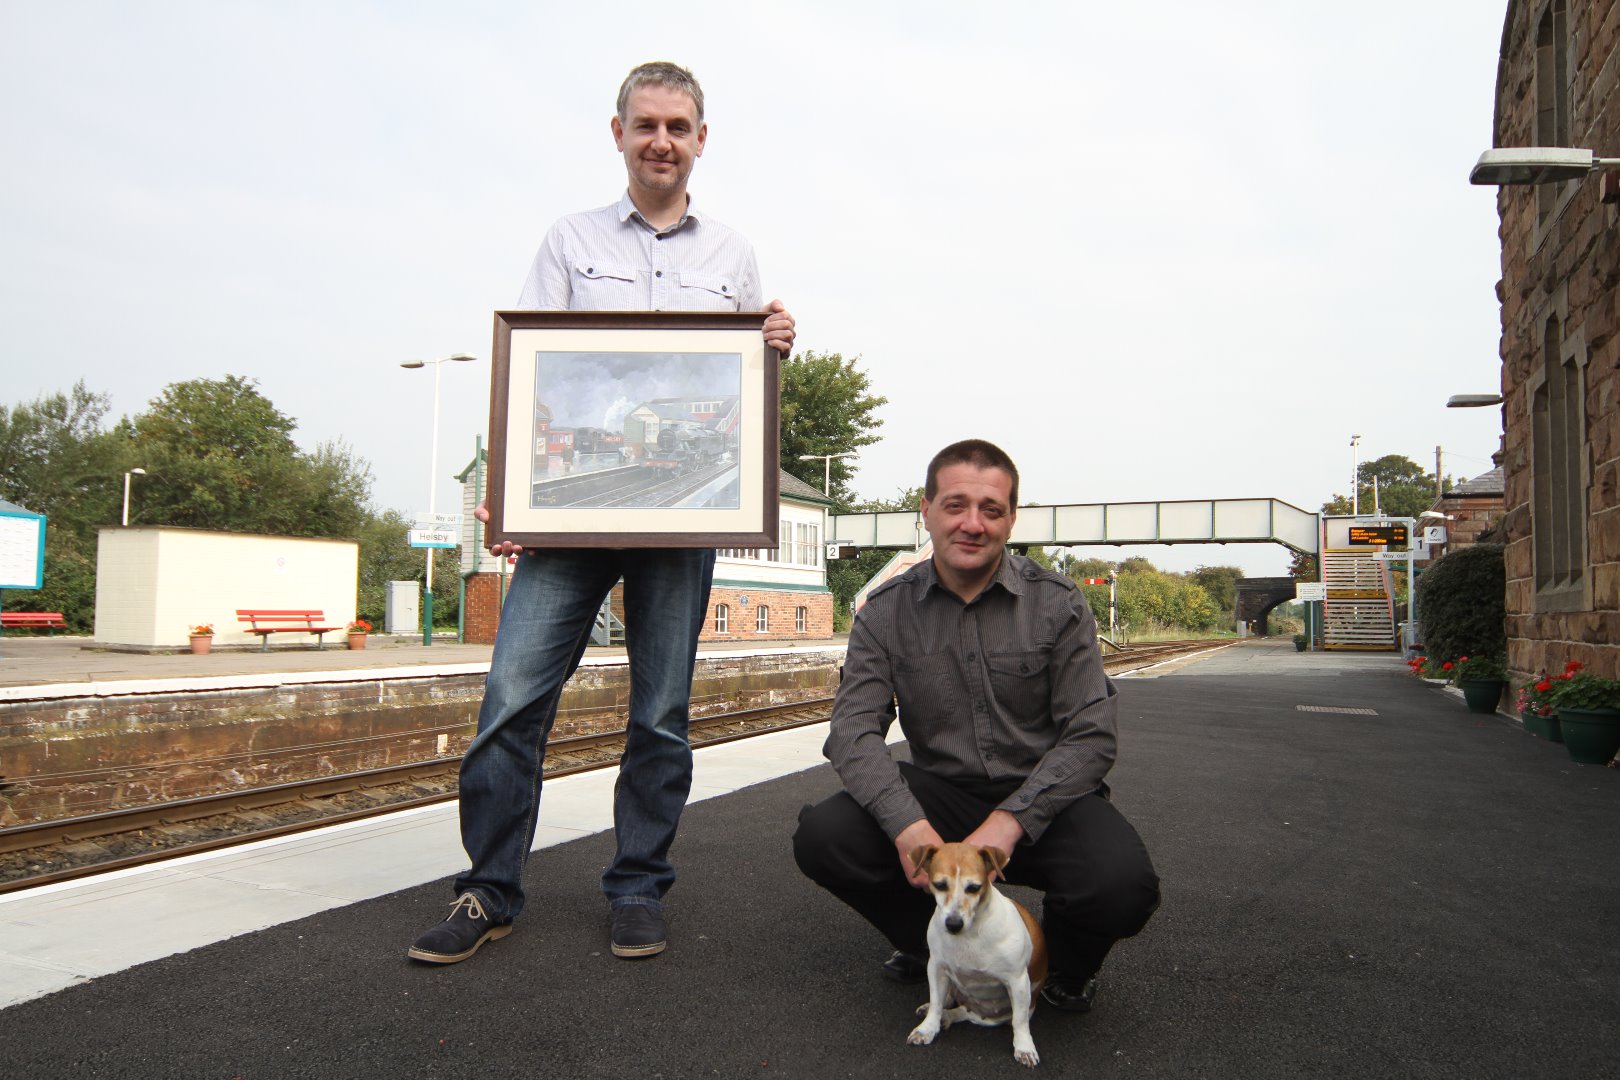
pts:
[22, 550]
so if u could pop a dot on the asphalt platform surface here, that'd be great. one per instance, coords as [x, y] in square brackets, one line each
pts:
[1396, 889]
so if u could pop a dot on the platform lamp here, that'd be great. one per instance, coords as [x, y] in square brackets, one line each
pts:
[433, 475]
[826, 483]
[1536, 165]
[127, 474]
[1355, 480]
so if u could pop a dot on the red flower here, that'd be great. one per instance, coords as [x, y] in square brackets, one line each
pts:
[1446, 666]
[1572, 666]
[1543, 686]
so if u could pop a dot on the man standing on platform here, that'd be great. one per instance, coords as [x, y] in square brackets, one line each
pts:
[651, 251]
[1009, 717]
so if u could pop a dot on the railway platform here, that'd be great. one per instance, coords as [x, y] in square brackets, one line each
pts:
[1361, 879]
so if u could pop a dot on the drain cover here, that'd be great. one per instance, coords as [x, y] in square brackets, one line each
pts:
[1342, 710]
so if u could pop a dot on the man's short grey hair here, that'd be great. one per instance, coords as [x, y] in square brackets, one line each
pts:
[660, 73]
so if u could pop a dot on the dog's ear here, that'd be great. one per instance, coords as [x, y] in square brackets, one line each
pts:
[995, 860]
[921, 856]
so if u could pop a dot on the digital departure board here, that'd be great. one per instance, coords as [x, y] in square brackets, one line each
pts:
[1379, 535]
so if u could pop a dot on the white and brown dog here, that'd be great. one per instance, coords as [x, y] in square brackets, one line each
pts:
[986, 954]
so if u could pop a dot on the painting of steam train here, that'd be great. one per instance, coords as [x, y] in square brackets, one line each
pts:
[678, 452]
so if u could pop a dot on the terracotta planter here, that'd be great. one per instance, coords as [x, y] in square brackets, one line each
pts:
[202, 644]
[357, 641]
[1542, 727]
[1592, 736]
[1482, 695]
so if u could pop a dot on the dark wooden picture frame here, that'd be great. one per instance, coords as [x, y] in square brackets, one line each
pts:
[633, 429]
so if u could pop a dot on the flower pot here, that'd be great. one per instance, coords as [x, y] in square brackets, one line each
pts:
[357, 641]
[201, 644]
[1482, 695]
[1301, 646]
[1542, 727]
[1590, 735]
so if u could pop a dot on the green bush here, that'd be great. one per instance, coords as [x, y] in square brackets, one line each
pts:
[1461, 604]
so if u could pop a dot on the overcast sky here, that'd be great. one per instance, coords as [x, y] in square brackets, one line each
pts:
[1176, 250]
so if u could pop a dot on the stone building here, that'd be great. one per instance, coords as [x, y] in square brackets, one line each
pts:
[775, 596]
[1560, 293]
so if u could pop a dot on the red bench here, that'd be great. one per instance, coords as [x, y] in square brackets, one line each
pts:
[50, 620]
[265, 622]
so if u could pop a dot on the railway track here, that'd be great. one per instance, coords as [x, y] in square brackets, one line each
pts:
[68, 848]
[65, 849]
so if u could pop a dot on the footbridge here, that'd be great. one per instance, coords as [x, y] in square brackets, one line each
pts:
[1186, 521]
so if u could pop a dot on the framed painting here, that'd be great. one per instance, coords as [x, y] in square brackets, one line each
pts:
[633, 429]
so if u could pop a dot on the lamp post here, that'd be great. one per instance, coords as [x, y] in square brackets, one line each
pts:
[1355, 479]
[129, 473]
[826, 483]
[1536, 165]
[433, 476]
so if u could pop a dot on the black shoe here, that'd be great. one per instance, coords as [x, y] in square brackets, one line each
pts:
[458, 937]
[638, 930]
[904, 968]
[1070, 995]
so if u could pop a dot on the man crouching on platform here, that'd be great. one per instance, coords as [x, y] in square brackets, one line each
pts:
[1009, 717]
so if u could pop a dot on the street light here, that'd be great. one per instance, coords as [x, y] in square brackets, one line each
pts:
[826, 484]
[127, 475]
[1472, 401]
[433, 476]
[1536, 165]
[1355, 485]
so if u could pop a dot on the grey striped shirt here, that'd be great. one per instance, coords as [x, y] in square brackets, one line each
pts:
[611, 259]
[1010, 686]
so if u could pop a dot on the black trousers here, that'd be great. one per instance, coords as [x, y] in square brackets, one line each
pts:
[1100, 885]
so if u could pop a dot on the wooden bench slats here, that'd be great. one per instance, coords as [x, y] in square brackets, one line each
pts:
[50, 620]
[306, 618]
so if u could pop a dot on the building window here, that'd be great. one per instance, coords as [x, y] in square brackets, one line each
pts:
[1552, 98]
[722, 619]
[801, 619]
[1558, 469]
[806, 544]
[762, 619]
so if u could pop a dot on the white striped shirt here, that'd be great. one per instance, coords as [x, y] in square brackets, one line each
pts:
[611, 259]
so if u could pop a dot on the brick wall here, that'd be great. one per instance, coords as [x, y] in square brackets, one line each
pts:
[1571, 259]
[483, 612]
[743, 615]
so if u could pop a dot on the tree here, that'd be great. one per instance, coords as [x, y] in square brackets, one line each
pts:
[827, 408]
[220, 455]
[1220, 582]
[57, 460]
[217, 454]
[1403, 488]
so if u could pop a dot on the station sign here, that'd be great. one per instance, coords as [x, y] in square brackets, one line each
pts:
[836, 551]
[1310, 590]
[1392, 556]
[424, 520]
[432, 538]
[1378, 535]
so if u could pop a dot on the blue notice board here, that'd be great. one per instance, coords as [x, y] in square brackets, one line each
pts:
[22, 548]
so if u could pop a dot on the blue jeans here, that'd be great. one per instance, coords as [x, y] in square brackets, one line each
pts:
[545, 626]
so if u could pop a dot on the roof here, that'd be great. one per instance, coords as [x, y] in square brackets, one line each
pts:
[794, 488]
[13, 508]
[1490, 483]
